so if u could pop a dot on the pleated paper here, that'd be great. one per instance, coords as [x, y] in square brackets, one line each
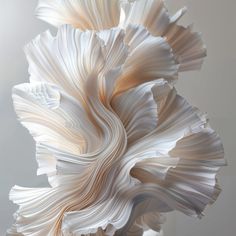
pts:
[120, 147]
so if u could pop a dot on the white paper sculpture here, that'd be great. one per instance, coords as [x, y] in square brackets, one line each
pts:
[119, 146]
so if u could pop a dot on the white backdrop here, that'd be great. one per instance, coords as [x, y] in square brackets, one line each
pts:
[212, 90]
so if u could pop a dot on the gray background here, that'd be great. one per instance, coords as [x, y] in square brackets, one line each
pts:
[212, 90]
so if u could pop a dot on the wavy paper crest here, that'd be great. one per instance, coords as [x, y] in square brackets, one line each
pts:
[120, 147]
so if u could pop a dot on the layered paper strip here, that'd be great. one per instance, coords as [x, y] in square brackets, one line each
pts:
[120, 147]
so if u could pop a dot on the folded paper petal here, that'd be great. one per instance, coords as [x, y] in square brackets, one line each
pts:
[150, 58]
[82, 14]
[187, 45]
[51, 116]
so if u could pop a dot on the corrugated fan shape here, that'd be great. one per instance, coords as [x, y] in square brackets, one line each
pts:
[120, 147]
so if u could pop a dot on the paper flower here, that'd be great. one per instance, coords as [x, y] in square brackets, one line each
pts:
[120, 147]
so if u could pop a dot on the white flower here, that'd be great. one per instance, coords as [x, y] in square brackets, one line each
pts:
[118, 145]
